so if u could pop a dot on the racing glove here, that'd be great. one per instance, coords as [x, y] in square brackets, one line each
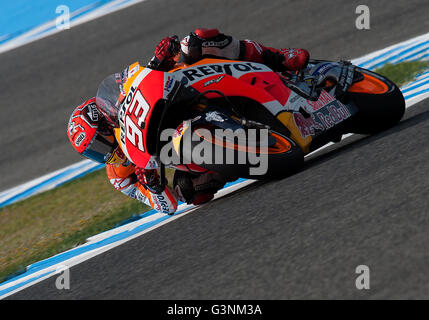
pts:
[165, 52]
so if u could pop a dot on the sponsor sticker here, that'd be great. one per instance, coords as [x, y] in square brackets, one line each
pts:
[215, 80]
[79, 139]
[168, 84]
[323, 119]
[233, 69]
[324, 99]
[160, 204]
[214, 116]
[93, 112]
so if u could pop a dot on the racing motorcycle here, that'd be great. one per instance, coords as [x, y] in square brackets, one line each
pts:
[286, 114]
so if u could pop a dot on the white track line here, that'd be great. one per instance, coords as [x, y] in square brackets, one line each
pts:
[47, 29]
[59, 267]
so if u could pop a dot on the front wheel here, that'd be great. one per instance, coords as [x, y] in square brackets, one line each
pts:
[380, 103]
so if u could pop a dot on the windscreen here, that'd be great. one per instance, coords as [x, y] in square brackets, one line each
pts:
[108, 96]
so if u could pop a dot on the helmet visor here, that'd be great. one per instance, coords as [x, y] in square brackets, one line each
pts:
[100, 149]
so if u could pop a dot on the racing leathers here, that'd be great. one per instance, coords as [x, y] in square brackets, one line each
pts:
[204, 43]
[199, 44]
[144, 186]
[123, 177]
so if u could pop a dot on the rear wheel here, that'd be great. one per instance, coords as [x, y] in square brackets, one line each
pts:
[247, 156]
[380, 102]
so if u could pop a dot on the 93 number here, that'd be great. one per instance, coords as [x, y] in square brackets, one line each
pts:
[139, 109]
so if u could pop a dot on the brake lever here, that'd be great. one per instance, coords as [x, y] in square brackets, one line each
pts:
[301, 75]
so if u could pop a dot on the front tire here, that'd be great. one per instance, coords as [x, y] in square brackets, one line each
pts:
[380, 102]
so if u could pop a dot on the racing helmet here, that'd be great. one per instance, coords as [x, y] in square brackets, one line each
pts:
[92, 135]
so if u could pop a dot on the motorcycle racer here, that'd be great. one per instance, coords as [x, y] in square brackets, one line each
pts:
[204, 43]
[91, 133]
[92, 136]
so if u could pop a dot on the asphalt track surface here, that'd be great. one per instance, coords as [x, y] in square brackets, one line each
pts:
[363, 201]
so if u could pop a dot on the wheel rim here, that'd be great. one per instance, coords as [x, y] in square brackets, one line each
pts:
[282, 145]
[370, 84]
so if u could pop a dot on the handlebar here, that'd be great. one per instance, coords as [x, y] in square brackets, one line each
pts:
[304, 85]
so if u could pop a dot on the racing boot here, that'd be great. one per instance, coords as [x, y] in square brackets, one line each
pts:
[206, 43]
[197, 188]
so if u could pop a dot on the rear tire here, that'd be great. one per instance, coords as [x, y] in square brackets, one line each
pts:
[279, 164]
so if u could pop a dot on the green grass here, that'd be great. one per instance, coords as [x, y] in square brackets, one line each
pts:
[403, 72]
[60, 219]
